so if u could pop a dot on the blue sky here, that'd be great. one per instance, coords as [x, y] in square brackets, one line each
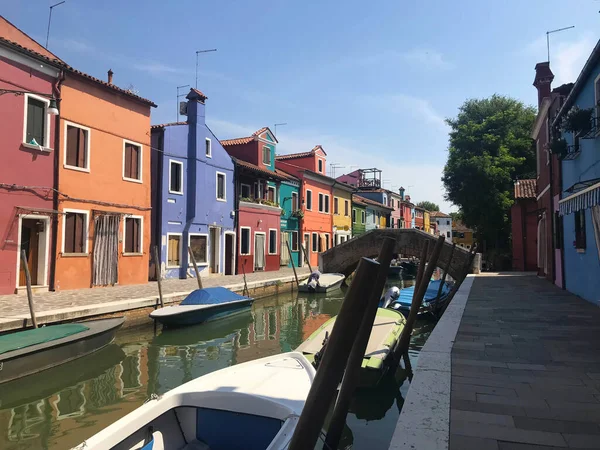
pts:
[370, 81]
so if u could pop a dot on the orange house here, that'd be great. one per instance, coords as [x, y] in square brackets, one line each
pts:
[316, 198]
[103, 231]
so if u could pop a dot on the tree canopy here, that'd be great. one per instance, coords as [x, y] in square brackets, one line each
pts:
[429, 206]
[490, 146]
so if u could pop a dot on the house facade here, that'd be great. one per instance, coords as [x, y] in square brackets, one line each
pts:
[342, 206]
[576, 127]
[395, 202]
[444, 224]
[406, 210]
[289, 197]
[419, 218]
[462, 235]
[426, 221]
[376, 213]
[524, 223]
[192, 196]
[359, 216]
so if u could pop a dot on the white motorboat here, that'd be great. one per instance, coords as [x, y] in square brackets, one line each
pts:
[327, 282]
[249, 406]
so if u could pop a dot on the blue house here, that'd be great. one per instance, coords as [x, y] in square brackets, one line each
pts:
[378, 211]
[288, 200]
[576, 139]
[192, 196]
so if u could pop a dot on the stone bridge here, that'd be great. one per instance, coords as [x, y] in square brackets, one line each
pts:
[344, 257]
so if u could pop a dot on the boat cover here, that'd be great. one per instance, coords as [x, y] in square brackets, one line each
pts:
[27, 338]
[212, 296]
[406, 295]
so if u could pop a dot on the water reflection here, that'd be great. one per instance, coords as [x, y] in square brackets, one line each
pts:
[61, 407]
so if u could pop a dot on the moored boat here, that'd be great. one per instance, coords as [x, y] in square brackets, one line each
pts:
[395, 271]
[28, 352]
[327, 282]
[430, 299]
[202, 305]
[254, 405]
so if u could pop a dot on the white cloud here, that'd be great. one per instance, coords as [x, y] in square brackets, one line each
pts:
[426, 58]
[417, 58]
[155, 68]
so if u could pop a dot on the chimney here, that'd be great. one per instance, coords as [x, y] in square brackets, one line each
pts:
[543, 80]
[402, 193]
[110, 74]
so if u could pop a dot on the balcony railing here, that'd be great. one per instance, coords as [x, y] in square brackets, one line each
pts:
[594, 131]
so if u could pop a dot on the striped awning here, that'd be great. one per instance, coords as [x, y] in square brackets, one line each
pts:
[586, 198]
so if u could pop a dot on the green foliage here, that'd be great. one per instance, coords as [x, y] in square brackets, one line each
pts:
[457, 216]
[578, 120]
[429, 206]
[490, 147]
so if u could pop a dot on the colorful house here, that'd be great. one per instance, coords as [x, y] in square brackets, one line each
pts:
[395, 202]
[192, 196]
[444, 224]
[316, 194]
[462, 235]
[28, 218]
[359, 216]
[406, 210]
[342, 205]
[523, 214]
[382, 217]
[426, 222]
[289, 196]
[377, 213]
[419, 218]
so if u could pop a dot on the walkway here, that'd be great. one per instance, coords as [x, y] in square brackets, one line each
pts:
[525, 368]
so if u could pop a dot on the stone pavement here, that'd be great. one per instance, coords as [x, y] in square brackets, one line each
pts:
[525, 368]
[15, 306]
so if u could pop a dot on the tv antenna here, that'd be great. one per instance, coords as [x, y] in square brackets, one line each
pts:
[548, 33]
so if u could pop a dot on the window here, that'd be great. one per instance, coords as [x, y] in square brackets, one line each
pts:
[37, 129]
[245, 190]
[294, 241]
[321, 242]
[392, 202]
[175, 177]
[335, 205]
[327, 242]
[447, 234]
[580, 230]
[320, 166]
[346, 207]
[77, 147]
[266, 155]
[133, 232]
[315, 242]
[198, 243]
[294, 202]
[309, 200]
[271, 193]
[327, 204]
[245, 241]
[272, 242]
[320, 202]
[208, 148]
[221, 187]
[362, 217]
[75, 232]
[373, 217]
[353, 215]
[132, 161]
[174, 250]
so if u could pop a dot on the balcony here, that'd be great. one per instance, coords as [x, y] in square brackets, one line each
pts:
[572, 152]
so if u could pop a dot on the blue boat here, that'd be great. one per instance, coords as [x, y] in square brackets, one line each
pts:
[202, 305]
[402, 304]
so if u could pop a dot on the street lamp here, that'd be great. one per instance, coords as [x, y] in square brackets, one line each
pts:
[52, 107]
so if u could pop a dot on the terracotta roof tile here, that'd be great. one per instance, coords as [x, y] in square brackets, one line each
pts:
[286, 175]
[300, 155]
[198, 93]
[372, 202]
[237, 141]
[438, 214]
[170, 124]
[12, 33]
[525, 188]
[258, 169]
[457, 225]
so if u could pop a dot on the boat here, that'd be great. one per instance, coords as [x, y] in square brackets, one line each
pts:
[253, 405]
[327, 282]
[395, 271]
[387, 327]
[409, 269]
[202, 305]
[31, 351]
[430, 299]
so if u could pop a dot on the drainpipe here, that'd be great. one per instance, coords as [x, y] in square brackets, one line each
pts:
[524, 236]
[236, 210]
[56, 90]
[551, 192]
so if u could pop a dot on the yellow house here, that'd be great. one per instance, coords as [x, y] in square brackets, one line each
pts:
[342, 212]
[426, 225]
[461, 235]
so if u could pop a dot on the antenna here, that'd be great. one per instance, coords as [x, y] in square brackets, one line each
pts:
[280, 125]
[197, 53]
[554, 31]
[50, 18]
[180, 95]
[333, 167]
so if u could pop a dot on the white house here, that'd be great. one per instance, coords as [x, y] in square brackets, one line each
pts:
[444, 224]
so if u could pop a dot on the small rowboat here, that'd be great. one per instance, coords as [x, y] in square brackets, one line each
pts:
[202, 305]
[395, 271]
[252, 406]
[327, 282]
[387, 327]
[429, 300]
[31, 351]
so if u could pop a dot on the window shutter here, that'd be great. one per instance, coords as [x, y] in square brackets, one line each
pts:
[128, 161]
[72, 134]
[135, 162]
[79, 233]
[69, 233]
[81, 145]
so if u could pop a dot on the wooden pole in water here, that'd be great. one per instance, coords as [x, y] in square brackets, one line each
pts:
[460, 279]
[28, 284]
[361, 341]
[195, 268]
[292, 261]
[334, 360]
[446, 270]
[245, 291]
[158, 275]
[306, 257]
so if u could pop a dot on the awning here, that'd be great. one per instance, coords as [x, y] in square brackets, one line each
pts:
[583, 199]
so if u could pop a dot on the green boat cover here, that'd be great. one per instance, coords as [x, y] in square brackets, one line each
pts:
[15, 341]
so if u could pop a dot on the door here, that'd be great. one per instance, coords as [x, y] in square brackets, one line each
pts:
[214, 246]
[105, 264]
[229, 254]
[30, 242]
[285, 254]
[259, 251]
[303, 254]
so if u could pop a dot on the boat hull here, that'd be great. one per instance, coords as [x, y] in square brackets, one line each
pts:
[395, 271]
[36, 358]
[181, 317]
[325, 285]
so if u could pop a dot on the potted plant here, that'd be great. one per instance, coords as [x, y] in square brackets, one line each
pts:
[298, 213]
[578, 120]
[559, 147]
[283, 213]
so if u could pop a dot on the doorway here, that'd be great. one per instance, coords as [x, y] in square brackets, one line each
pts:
[259, 251]
[284, 252]
[303, 255]
[214, 246]
[33, 235]
[105, 258]
[229, 253]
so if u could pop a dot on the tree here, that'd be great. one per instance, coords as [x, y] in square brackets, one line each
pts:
[457, 216]
[429, 206]
[490, 147]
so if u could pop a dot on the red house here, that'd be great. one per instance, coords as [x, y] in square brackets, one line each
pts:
[524, 216]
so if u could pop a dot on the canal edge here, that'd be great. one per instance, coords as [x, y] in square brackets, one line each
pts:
[425, 418]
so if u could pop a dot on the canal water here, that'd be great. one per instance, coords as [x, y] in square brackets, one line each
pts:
[61, 407]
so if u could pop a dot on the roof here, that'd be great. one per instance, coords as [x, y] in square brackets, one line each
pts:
[260, 170]
[197, 93]
[301, 155]
[526, 188]
[170, 124]
[457, 225]
[369, 202]
[438, 214]
[287, 176]
[247, 139]
[11, 33]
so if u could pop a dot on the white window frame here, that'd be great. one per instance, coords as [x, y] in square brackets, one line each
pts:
[224, 199]
[141, 162]
[180, 250]
[190, 264]
[321, 202]
[336, 202]
[314, 241]
[209, 154]
[363, 216]
[311, 200]
[174, 161]
[294, 205]
[249, 190]
[326, 200]
[306, 250]
[250, 243]
[269, 243]
[87, 147]
[86, 229]
[46, 144]
[262, 156]
[132, 216]
[327, 242]
[297, 242]
[274, 193]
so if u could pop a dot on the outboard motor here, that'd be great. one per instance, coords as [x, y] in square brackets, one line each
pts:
[390, 296]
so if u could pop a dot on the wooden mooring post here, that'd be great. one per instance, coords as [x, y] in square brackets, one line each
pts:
[446, 270]
[29, 291]
[331, 368]
[158, 275]
[361, 341]
[245, 292]
[292, 261]
[195, 268]
[460, 279]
